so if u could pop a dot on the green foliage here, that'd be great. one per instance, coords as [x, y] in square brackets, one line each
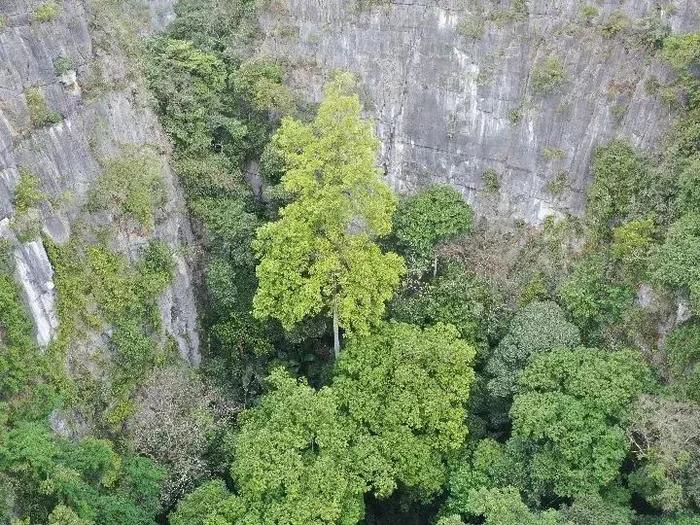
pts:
[676, 262]
[261, 81]
[97, 289]
[27, 193]
[569, 416]
[63, 515]
[46, 12]
[450, 520]
[227, 27]
[78, 483]
[198, 505]
[548, 77]
[618, 22]
[537, 328]
[682, 52]
[592, 300]
[22, 363]
[667, 451]
[406, 390]
[63, 65]
[485, 465]
[131, 185]
[320, 256]
[219, 109]
[456, 297]
[592, 509]
[588, 12]
[291, 459]
[491, 180]
[631, 245]
[620, 180]
[559, 184]
[472, 27]
[682, 348]
[550, 153]
[688, 188]
[432, 216]
[39, 112]
[189, 86]
[505, 507]
[206, 102]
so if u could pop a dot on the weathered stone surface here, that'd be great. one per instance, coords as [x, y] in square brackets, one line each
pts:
[102, 110]
[449, 106]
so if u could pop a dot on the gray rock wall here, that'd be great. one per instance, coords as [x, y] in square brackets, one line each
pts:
[102, 110]
[452, 102]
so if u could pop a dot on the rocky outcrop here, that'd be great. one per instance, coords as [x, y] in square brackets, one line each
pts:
[90, 107]
[505, 100]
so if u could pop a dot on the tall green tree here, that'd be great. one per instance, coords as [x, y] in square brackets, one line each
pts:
[406, 390]
[321, 255]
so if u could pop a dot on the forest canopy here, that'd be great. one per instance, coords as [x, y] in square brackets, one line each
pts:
[368, 356]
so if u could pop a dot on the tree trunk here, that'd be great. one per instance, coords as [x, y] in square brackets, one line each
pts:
[336, 332]
[435, 260]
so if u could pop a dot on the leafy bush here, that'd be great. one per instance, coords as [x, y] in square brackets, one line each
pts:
[491, 181]
[593, 301]
[471, 27]
[621, 188]
[27, 193]
[688, 187]
[130, 185]
[97, 288]
[261, 81]
[631, 246]
[63, 65]
[588, 12]
[548, 77]
[682, 348]
[39, 112]
[456, 297]
[408, 382]
[618, 22]
[46, 12]
[433, 215]
[291, 459]
[559, 184]
[189, 86]
[676, 263]
[88, 480]
[682, 52]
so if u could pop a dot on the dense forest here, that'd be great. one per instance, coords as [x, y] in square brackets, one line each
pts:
[367, 357]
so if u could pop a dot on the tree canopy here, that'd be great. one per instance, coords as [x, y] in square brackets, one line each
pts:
[406, 390]
[431, 216]
[569, 417]
[538, 327]
[321, 255]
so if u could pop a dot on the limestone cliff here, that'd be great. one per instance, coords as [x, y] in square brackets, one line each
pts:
[504, 99]
[68, 100]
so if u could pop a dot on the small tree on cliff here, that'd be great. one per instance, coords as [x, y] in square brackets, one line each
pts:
[434, 215]
[321, 255]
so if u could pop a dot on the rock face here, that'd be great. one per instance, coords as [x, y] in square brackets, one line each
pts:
[93, 108]
[505, 100]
